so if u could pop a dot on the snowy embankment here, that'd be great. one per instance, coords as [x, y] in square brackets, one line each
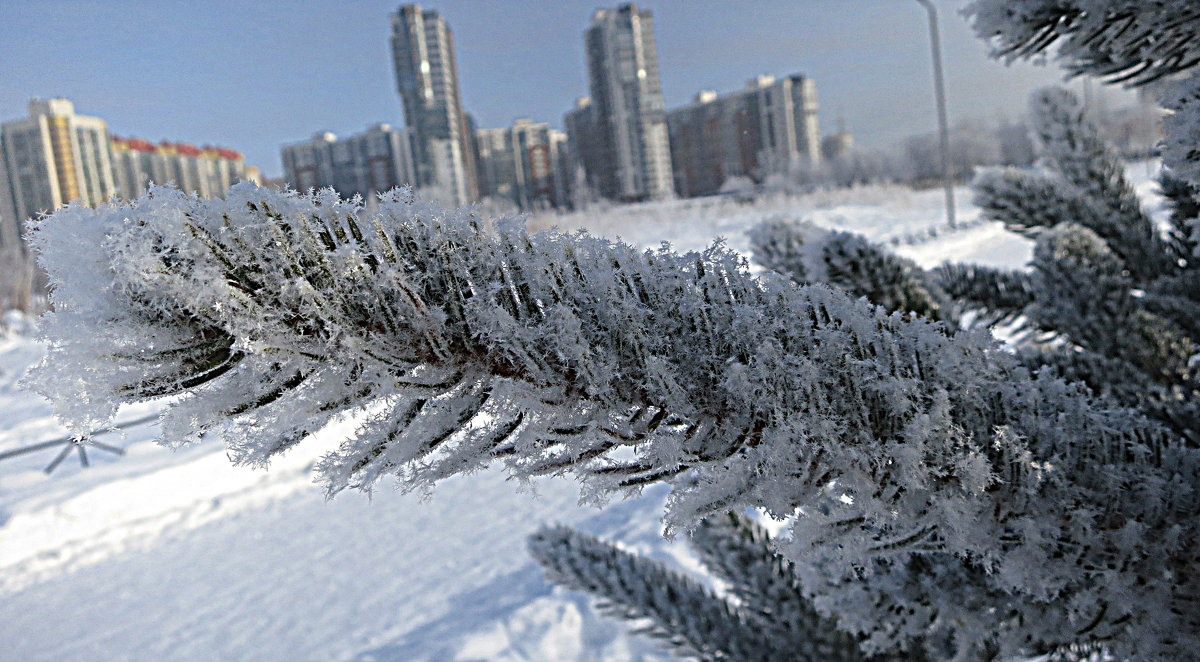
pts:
[176, 555]
[884, 213]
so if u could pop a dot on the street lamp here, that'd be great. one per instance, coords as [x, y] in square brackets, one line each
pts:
[940, 93]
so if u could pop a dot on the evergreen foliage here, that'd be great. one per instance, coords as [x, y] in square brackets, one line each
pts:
[1124, 41]
[1072, 147]
[937, 466]
[1085, 184]
[808, 254]
[678, 610]
[1184, 200]
[1121, 298]
[1181, 148]
[766, 616]
[738, 551]
[1082, 289]
[1118, 304]
[1029, 202]
[1002, 294]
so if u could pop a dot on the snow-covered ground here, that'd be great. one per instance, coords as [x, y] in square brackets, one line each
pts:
[176, 555]
[168, 555]
[884, 213]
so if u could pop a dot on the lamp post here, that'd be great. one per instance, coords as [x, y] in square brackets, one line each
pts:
[940, 93]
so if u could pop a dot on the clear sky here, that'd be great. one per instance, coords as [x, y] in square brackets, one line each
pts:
[256, 75]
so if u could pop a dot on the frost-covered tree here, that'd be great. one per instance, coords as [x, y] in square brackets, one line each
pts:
[1120, 298]
[1116, 301]
[765, 617]
[1086, 177]
[808, 254]
[936, 487]
[764, 614]
[1184, 201]
[1134, 42]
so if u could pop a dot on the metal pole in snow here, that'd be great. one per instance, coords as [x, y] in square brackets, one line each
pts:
[940, 93]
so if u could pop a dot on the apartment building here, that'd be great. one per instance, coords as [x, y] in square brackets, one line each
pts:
[53, 157]
[427, 80]
[768, 127]
[630, 158]
[364, 164]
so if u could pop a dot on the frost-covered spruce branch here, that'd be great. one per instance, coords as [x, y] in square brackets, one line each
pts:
[1001, 293]
[1029, 202]
[806, 254]
[1183, 199]
[1085, 292]
[460, 342]
[770, 620]
[678, 610]
[809, 254]
[766, 615]
[1079, 154]
[1124, 41]
[1122, 339]
[740, 552]
[1085, 184]
[1123, 298]
[1181, 147]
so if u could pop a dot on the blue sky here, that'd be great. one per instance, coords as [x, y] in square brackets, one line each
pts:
[257, 75]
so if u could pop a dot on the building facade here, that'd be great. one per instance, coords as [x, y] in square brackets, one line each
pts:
[427, 80]
[587, 152]
[375, 161]
[10, 230]
[632, 160]
[53, 157]
[524, 164]
[836, 145]
[769, 127]
[206, 171]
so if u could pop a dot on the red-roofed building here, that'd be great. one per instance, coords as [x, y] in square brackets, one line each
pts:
[208, 171]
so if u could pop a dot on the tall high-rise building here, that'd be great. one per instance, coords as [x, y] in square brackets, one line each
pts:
[427, 79]
[634, 160]
[54, 157]
[769, 127]
[365, 164]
